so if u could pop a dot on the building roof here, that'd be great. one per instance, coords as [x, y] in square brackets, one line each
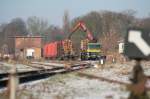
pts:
[26, 37]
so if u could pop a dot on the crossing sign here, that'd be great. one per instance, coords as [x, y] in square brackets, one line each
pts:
[137, 44]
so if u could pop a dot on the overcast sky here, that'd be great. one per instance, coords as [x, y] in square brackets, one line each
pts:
[52, 10]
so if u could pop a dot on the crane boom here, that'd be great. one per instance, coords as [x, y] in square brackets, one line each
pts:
[81, 25]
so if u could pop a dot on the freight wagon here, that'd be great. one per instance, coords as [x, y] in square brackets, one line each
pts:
[53, 50]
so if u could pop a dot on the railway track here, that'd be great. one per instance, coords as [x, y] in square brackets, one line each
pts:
[129, 86]
[34, 75]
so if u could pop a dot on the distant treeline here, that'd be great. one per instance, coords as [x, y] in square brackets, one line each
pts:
[108, 27]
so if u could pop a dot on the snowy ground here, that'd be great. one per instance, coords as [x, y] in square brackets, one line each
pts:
[6, 67]
[72, 86]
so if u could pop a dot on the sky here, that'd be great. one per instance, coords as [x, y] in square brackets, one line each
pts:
[53, 10]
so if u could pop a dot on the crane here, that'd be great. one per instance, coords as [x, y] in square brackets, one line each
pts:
[90, 49]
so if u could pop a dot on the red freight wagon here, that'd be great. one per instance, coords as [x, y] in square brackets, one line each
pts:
[53, 49]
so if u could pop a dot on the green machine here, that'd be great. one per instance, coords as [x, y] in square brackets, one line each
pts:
[92, 52]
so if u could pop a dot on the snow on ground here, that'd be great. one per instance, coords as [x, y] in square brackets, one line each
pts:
[6, 67]
[72, 86]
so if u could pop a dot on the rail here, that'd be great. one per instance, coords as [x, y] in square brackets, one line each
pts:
[34, 75]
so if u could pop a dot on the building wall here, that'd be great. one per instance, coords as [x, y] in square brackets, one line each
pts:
[24, 43]
[37, 53]
[27, 42]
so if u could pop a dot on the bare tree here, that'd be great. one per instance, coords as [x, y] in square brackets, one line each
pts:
[4, 49]
[109, 42]
[66, 22]
[145, 23]
[16, 27]
[54, 33]
[37, 26]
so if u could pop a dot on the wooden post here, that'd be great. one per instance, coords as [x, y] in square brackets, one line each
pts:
[13, 82]
[139, 79]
